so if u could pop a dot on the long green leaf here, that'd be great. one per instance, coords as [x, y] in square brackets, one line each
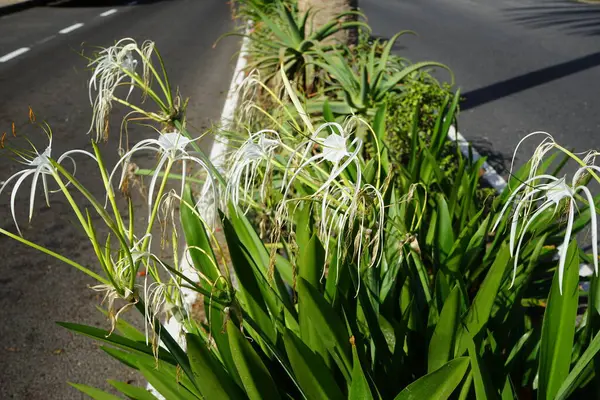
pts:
[165, 385]
[133, 392]
[311, 261]
[359, 389]
[441, 346]
[438, 384]
[329, 326]
[211, 378]
[444, 238]
[255, 377]
[479, 312]
[558, 328]
[136, 361]
[200, 251]
[310, 371]
[94, 393]
[568, 384]
[116, 340]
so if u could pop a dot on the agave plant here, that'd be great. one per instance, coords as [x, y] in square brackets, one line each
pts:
[284, 37]
[361, 84]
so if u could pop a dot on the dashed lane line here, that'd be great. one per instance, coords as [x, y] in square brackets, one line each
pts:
[46, 39]
[14, 54]
[109, 12]
[70, 28]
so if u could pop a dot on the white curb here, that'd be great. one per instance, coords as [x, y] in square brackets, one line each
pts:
[217, 157]
[489, 173]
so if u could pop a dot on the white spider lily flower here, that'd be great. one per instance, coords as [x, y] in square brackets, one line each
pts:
[37, 165]
[335, 148]
[253, 156]
[542, 197]
[170, 147]
[112, 68]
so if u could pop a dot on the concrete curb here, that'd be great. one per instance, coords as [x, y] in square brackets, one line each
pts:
[174, 327]
[490, 175]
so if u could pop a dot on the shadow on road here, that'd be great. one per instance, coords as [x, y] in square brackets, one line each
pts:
[529, 80]
[569, 16]
[499, 161]
[97, 3]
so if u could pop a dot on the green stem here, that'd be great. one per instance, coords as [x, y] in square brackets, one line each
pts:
[99, 209]
[153, 214]
[147, 63]
[578, 160]
[138, 109]
[84, 223]
[55, 255]
[109, 190]
[150, 172]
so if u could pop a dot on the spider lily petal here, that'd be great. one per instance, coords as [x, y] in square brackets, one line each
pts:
[334, 148]
[551, 194]
[113, 66]
[38, 165]
[171, 147]
[254, 154]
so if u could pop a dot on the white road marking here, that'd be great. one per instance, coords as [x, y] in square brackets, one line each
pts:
[70, 28]
[46, 39]
[109, 12]
[14, 54]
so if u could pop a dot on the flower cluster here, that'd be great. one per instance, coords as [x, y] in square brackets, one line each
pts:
[540, 193]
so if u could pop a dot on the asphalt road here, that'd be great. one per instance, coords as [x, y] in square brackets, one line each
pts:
[37, 356]
[522, 65]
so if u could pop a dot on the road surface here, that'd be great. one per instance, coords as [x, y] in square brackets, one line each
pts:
[40, 66]
[522, 65]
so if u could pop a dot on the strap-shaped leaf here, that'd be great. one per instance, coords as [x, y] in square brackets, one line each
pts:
[253, 288]
[558, 328]
[481, 308]
[310, 371]
[438, 384]
[568, 384]
[94, 393]
[212, 379]
[255, 377]
[200, 249]
[133, 392]
[359, 388]
[165, 385]
[117, 340]
[135, 361]
[328, 324]
[441, 345]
